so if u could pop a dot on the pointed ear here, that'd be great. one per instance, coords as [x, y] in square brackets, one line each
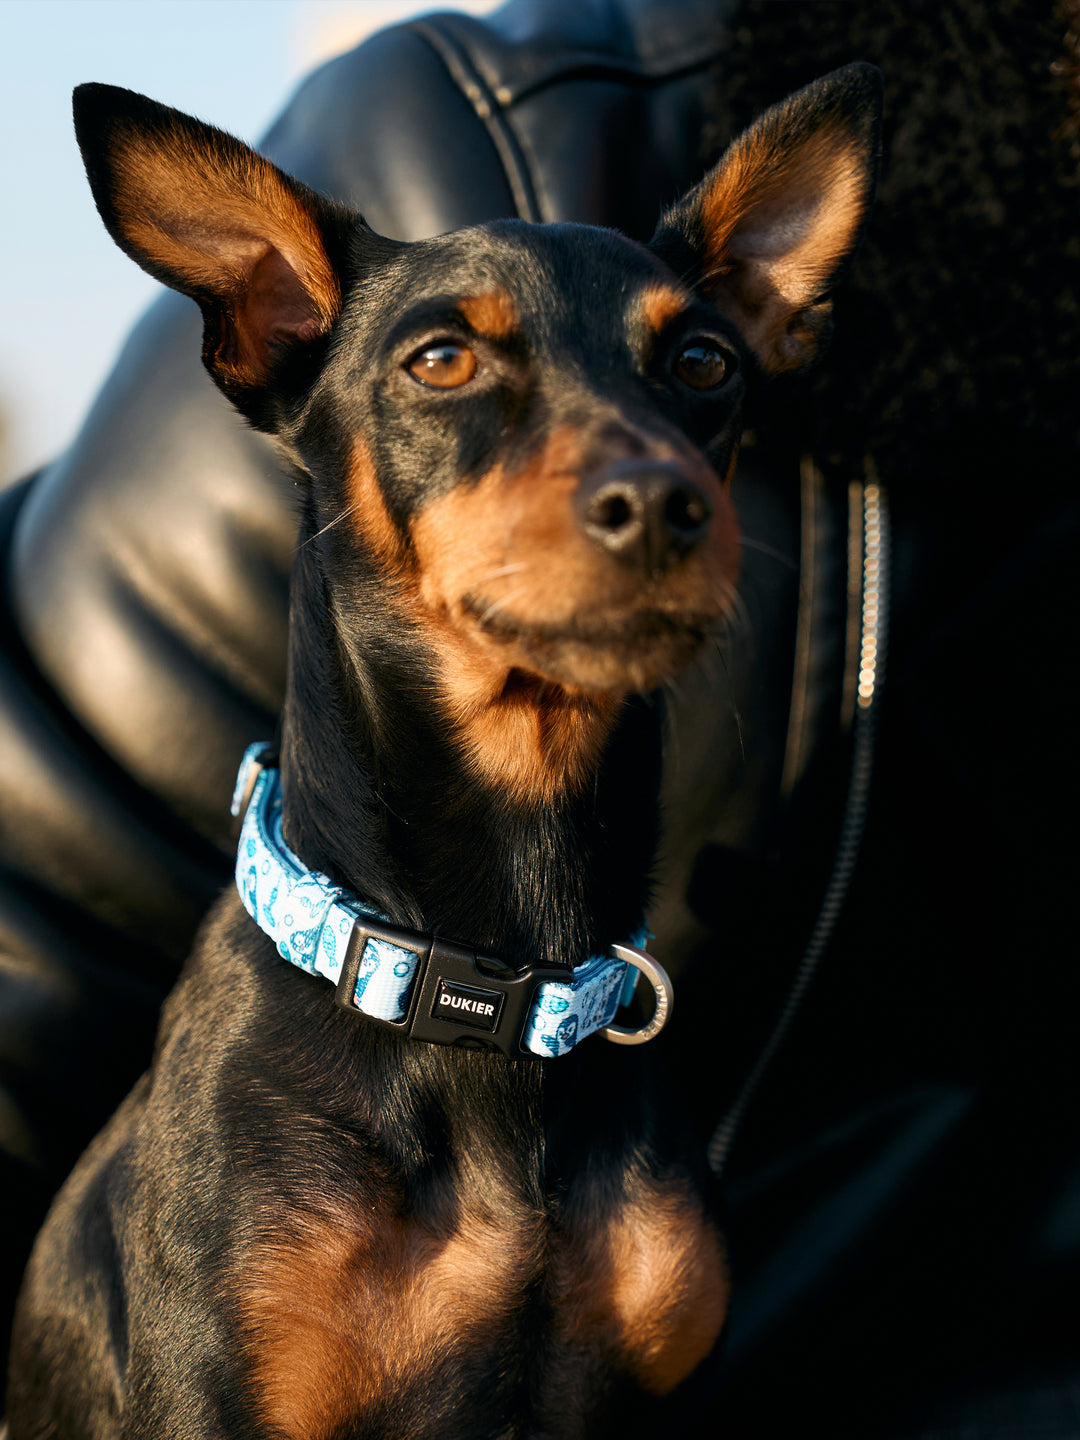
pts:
[767, 231]
[258, 251]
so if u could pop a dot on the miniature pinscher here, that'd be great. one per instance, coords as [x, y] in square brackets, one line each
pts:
[312, 1220]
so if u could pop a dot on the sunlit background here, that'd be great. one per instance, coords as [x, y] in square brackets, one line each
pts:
[68, 295]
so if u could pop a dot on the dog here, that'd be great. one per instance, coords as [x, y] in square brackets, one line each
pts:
[442, 1206]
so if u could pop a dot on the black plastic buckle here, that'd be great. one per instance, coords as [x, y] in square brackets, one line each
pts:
[457, 997]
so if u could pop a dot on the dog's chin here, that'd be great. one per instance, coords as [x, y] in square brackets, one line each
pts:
[628, 654]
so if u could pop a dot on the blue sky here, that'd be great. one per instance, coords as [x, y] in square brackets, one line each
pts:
[68, 294]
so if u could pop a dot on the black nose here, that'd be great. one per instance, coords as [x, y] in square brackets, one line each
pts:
[644, 513]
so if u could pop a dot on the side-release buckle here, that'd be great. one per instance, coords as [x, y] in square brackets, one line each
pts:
[457, 997]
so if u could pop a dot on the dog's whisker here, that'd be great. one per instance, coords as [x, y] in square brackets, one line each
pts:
[778, 555]
[498, 605]
[739, 731]
[672, 745]
[498, 574]
[330, 525]
[732, 707]
[671, 684]
[736, 612]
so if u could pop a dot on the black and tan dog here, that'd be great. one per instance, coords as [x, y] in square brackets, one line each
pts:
[512, 443]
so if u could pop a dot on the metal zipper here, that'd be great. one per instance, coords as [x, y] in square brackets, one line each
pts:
[871, 501]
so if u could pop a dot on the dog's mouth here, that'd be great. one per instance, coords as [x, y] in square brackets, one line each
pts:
[622, 651]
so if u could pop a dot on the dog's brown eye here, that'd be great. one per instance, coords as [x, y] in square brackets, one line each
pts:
[444, 366]
[703, 366]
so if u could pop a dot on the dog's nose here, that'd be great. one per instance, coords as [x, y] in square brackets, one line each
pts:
[644, 513]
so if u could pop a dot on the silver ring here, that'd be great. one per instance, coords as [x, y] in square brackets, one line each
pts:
[660, 981]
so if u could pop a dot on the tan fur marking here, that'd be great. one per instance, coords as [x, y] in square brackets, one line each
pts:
[532, 739]
[369, 516]
[337, 1317]
[670, 1291]
[212, 219]
[536, 750]
[732, 466]
[512, 544]
[651, 1285]
[660, 304]
[513, 540]
[491, 314]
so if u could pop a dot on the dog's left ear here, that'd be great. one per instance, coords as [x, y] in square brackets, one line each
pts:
[769, 228]
[203, 213]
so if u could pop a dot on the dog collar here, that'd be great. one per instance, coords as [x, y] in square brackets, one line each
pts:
[419, 984]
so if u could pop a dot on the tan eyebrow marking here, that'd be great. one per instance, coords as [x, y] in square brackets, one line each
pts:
[491, 314]
[661, 303]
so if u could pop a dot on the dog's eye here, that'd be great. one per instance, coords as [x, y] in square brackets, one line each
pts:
[703, 365]
[444, 366]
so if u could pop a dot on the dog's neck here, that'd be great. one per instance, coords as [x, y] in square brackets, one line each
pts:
[379, 796]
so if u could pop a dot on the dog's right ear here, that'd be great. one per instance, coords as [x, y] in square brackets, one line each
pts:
[199, 210]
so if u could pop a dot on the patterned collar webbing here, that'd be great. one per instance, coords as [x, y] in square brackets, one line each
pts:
[310, 920]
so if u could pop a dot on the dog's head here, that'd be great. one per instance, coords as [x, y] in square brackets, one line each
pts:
[527, 430]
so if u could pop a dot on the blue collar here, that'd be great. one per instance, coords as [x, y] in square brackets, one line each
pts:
[417, 984]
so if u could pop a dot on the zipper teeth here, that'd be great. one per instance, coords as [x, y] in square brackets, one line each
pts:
[872, 646]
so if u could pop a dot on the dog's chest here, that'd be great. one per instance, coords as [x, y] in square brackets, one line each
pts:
[354, 1320]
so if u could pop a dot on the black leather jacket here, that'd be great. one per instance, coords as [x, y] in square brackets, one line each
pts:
[904, 1190]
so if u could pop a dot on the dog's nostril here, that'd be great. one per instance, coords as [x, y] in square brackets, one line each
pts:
[610, 512]
[686, 510]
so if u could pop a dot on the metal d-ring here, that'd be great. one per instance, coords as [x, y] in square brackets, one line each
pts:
[660, 980]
